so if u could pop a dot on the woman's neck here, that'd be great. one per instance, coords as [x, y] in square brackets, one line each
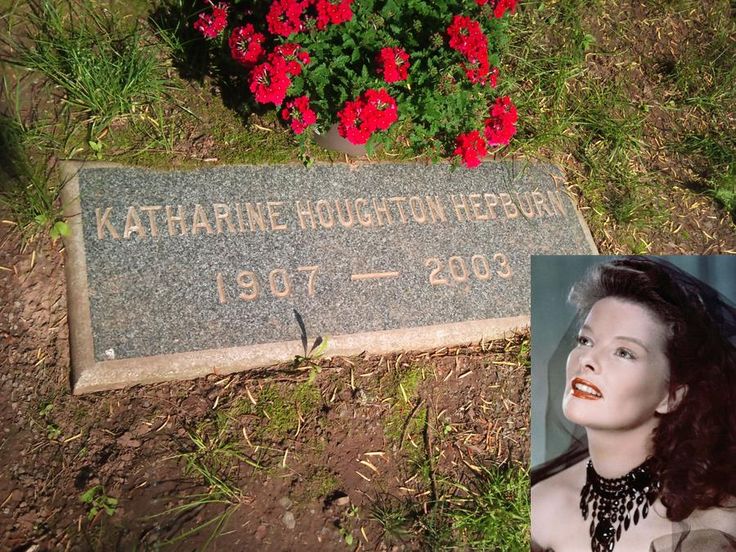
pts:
[615, 453]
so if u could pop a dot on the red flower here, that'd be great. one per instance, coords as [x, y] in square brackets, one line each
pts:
[502, 6]
[471, 147]
[493, 77]
[466, 37]
[284, 17]
[482, 73]
[382, 110]
[393, 64]
[246, 44]
[270, 81]
[329, 12]
[293, 56]
[212, 24]
[352, 125]
[501, 125]
[478, 72]
[359, 119]
[298, 112]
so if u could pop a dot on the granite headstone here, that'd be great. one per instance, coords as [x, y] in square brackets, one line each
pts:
[174, 275]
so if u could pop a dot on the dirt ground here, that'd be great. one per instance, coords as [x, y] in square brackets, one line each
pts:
[370, 432]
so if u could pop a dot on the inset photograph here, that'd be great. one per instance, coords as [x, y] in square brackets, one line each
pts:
[633, 403]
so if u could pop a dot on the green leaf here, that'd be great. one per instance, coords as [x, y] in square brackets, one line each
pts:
[320, 349]
[390, 9]
[89, 495]
[59, 229]
[297, 86]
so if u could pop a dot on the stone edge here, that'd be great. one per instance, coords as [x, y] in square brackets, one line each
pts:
[75, 270]
[116, 374]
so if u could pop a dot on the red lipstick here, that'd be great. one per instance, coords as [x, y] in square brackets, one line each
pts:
[583, 389]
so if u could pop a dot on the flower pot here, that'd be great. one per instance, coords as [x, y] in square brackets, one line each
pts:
[331, 140]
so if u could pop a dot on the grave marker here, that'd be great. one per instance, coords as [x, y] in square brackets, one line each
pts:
[175, 275]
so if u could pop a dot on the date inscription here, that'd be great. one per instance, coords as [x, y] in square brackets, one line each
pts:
[280, 283]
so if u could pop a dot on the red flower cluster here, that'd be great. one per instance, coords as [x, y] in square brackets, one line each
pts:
[471, 147]
[285, 16]
[212, 24]
[499, 128]
[393, 64]
[329, 12]
[359, 119]
[293, 55]
[269, 81]
[298, 112]
[466, 37]
[246, 45]
[501, 125]
[500, 7]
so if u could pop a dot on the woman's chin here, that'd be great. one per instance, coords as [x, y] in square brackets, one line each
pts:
[578, 411]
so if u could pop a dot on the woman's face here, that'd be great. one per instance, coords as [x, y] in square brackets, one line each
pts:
[617, 375]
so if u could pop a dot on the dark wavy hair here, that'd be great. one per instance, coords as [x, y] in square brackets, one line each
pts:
[695, 443]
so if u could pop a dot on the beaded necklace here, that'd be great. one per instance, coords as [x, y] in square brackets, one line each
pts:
[614, 503]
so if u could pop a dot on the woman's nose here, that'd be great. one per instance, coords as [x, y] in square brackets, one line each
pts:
[589, 361]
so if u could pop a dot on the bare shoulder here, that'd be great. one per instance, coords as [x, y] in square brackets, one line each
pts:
[553, 498]
[568, 480]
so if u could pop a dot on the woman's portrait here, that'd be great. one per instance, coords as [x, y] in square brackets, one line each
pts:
[634, 394]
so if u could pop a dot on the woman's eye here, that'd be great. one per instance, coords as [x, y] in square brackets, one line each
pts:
[582, 340]
[625, 353]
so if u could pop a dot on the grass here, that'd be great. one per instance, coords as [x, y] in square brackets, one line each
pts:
[284, 411]
[100, 63]
[489, 512]
[105, 74]
[215, 456]
[570, 110]
[703, 83]
[574, 77]
[215, 459]
[27, 190]
[493, 511]
[406, 418]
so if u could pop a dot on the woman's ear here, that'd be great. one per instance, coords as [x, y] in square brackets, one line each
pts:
[672, 400]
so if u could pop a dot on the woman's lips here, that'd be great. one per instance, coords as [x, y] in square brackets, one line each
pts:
[583, 389]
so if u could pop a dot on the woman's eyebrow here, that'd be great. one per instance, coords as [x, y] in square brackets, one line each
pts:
[633, 340]
[638, 342]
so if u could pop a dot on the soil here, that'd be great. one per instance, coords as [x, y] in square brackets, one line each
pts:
[360, 439]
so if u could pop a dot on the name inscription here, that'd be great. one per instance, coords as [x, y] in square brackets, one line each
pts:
[171, 221]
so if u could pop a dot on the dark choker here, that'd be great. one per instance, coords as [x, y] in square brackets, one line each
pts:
[616, 503]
